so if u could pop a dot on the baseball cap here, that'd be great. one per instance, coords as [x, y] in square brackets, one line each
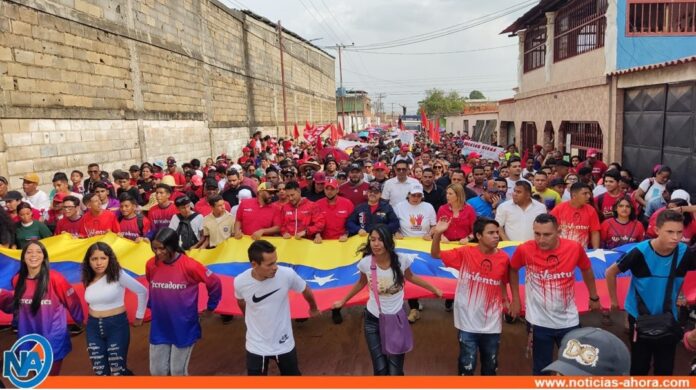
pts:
[416, 188]
[244, 194]
[245, 149]
[59, 197]
[341, 175]
[474, 155]
[158, 175]
[196, 180]
[354, 166]
[4, 179]
[375, 186]
[592, 152]
[158, 164]
[591, 351]
[182, 201]
[134, 168]
[331, 182]
[12, 195]
[265, 187]
[557, 181]
[32, 177]
[380, 165]
[681, 194]
[319, 177]
[171, 161]
[404, 148]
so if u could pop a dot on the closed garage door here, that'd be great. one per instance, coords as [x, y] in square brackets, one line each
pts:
[660, 128]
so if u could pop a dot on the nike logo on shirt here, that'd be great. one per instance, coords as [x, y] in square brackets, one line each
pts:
[256, 299]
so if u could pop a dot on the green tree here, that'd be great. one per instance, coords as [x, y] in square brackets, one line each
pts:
[439, 103]
[476, 94]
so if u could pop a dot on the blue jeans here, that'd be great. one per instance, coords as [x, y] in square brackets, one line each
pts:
[483, 343]
[543, 341]
[381, 364]
[107, 344]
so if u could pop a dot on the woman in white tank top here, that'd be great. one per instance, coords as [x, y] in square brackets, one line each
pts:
[108, 333]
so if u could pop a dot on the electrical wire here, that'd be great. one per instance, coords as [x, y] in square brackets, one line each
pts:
[432, 52]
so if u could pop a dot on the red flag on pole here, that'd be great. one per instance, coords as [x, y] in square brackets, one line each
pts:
[430, 130]
[334, 133]
[340, 130]
[424, 119]
[436, 132]
[319, 145]
[295, 132]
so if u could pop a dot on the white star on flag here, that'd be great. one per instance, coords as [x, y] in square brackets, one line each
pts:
[322, 280]
[600, 254]
[411, 256]
[451, 270]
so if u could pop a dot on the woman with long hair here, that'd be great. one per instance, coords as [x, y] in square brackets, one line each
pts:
[174, 278]
[41, 298]
[108, 334]
[623, 228]
[27, 229]
[392, 270]
[460, 214]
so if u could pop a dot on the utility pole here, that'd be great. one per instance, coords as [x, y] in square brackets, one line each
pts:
[392, 114]
[380, 108]
[282, 77]
[340, 48]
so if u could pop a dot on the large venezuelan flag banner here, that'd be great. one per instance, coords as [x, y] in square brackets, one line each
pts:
[329, 268]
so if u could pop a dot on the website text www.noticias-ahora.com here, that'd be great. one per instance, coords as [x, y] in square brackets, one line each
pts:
[613, 382]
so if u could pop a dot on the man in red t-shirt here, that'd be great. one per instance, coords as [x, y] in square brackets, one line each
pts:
[355, 189]
[98, 221]
[257, 217]
[72, 221]
[179, 177]
[550, 309]
[161, 213]
[578, 221]
[481, 293]
[598, 166]
[133, 226]
[604, 203]
[336, 210]
[202, 207]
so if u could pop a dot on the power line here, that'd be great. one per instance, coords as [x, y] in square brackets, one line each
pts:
[448, 30]
[432, 52]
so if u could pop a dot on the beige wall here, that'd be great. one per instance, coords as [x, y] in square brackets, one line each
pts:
[122, 81]
[456, 123]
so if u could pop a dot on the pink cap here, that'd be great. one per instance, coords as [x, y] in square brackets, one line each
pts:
[592, 152]
[319, 177]
[331, 182]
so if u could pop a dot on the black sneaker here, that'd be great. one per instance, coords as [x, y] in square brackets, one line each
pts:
[336, 316]
[226, 319]
[300, 320]
[75, 329]
[448, 304]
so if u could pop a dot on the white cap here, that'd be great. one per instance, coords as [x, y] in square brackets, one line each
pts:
[416, 188]
[243, 194]
[236, 167]
[681, 194]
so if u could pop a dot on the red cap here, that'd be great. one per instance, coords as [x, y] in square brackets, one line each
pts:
[158, 175]
[319, 177]
[380, 165]
[58, 198]
[474, 155]
[592, 152]
[196, 180]
[404, 148]
[246, 149]
[331, 182]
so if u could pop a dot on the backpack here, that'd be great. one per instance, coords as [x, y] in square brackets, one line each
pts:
[187, 237]
[138, 220]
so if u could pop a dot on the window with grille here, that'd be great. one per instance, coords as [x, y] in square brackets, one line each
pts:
[579, 27]
[667, 17]
[535, 47]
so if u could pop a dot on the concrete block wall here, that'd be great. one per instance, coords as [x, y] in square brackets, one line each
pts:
[123, 81]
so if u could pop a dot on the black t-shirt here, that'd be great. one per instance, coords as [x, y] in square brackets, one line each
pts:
[436, 197]
[230, 194]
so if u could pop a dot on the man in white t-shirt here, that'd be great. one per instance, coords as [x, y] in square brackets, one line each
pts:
[37, 198]
[262, 294]
[515, 169]
[415, 216]
[396, 189]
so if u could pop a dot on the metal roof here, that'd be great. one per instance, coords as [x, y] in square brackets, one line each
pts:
[665, 64]
[536, 12]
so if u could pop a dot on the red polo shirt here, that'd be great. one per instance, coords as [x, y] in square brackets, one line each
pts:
[203, 208]
[253, 217]
[335, 216]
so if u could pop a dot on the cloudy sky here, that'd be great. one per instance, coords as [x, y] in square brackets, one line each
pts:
[483, 59]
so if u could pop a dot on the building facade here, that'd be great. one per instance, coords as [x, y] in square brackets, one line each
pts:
[617, 75]
[354, 110]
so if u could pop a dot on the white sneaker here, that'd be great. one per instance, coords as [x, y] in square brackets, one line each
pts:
[413, 315]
